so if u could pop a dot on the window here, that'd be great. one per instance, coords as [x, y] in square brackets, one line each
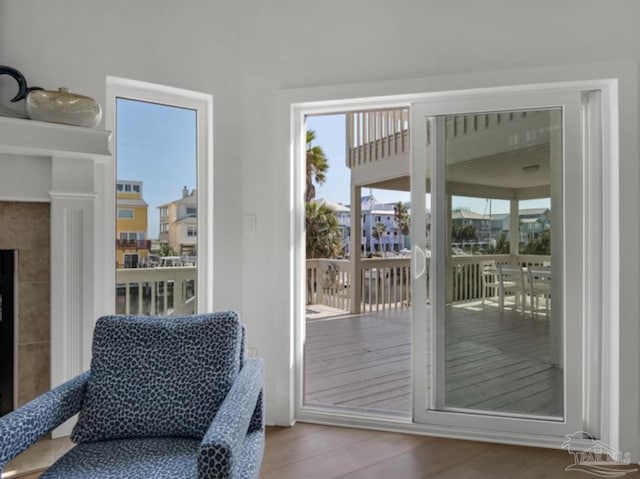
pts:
[164, 139]
[192, 231]
[120, 187]
[127, 188]
[125, 213]
[192, 211]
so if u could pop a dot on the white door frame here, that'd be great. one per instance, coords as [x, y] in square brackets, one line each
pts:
[616, 365]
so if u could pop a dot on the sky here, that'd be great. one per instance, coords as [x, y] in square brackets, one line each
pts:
[330, 135]
[156, 144]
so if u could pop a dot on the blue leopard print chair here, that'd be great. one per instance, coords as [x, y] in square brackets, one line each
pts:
[165, 397]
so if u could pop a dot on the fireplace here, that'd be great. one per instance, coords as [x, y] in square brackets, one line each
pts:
[25, 281]
[57, 210]
[7, 331]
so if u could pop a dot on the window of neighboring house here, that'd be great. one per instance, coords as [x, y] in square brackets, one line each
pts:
[192, 231]
[120, 187]
[136, 188]
[127, 188]
[192, 211]
[131, 260]
[125, 213]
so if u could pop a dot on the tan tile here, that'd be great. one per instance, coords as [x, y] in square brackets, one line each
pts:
[34, 311]
[33, 370]
[34, 264]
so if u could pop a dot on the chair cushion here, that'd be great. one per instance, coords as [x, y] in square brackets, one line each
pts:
[158, 376]
[158, 457]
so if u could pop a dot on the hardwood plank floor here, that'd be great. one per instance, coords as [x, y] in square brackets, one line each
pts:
[308, 451]
[494, 362]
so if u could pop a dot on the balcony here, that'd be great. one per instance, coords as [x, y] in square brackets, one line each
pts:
[133, 244]
[358, 354]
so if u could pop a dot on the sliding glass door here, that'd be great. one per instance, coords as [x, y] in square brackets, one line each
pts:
[494, 345]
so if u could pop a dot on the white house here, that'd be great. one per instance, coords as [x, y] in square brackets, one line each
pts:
[253, 69]
[179, 223]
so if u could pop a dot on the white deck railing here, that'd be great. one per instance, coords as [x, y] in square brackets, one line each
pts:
[162, 291]
[386, 282]
[374, 135]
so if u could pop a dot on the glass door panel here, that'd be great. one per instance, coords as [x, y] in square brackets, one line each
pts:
[490, 348]
[498, 354]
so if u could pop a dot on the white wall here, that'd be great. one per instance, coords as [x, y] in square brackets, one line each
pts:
[246, 52]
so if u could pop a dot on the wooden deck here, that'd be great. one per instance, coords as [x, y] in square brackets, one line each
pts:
[495, 362]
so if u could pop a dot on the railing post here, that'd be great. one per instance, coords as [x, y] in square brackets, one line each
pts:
[514, 229]
[355, 292]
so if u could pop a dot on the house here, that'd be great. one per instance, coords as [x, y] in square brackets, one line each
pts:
[179, 223]
[132, 244]
[263, 63]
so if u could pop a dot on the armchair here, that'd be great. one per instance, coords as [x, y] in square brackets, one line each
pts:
[166, 397]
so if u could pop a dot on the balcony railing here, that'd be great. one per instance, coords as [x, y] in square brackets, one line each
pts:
[161, 291]
[133, 244]
[386, 282]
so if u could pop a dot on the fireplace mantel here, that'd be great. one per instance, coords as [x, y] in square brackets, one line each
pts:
[72, 169]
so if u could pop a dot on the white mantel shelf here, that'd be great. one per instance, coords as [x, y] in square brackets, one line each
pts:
[72, 169]
[35, 138]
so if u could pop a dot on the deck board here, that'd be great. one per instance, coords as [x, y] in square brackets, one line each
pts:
[494, 362]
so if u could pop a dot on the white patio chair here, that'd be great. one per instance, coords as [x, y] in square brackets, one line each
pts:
[539, 286]
[512, 281]
[490, 279]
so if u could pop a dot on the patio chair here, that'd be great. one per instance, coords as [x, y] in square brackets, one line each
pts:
[512, 281]
[490, 277]
[540, 287]
[165, 397]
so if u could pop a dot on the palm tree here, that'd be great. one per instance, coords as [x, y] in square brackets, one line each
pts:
[166, 250]
[317, 166]
[403, 220]
[322, 231]
[378, 232]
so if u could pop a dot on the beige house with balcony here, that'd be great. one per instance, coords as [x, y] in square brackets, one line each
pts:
[179, 223]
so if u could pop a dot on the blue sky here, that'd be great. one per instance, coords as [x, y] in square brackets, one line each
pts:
[330, 135]
[156, 144]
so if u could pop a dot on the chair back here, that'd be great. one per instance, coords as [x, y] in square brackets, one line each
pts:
[511, 275]
[157, 376]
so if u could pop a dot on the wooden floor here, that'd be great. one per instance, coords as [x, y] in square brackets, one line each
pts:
[494, 362]
[308, 451]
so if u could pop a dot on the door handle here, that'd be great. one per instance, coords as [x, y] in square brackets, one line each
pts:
[418, 253]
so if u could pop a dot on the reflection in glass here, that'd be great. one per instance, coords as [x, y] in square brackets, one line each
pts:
[503, 342]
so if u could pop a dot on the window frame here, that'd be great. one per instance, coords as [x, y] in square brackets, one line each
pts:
[202, 104]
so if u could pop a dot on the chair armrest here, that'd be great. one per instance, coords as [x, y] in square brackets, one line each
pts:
[24, 426]
[226, 434]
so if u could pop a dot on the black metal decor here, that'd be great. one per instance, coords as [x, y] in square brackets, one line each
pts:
[7, 330]
[23, 89]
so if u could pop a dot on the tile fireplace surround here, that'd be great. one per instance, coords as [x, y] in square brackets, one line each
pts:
[57, 192]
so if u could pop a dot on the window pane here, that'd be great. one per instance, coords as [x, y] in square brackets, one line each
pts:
[156, 168]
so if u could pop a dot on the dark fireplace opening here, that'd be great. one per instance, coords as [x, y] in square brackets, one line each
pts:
[7, 330]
